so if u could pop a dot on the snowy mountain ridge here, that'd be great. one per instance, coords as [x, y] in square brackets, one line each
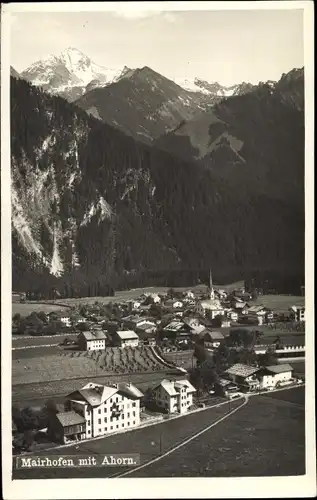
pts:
[69, 74]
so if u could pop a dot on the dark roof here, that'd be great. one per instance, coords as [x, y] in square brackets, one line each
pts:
[207, 334]
[94, 335]
[70, 418]
[129, 391]
[280, 368]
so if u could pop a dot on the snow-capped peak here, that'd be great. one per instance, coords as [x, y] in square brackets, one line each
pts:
[72, 68]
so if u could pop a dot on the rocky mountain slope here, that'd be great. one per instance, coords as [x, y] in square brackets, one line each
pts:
[251, 132]
[70, 74]
[90, 203]
[144, 104]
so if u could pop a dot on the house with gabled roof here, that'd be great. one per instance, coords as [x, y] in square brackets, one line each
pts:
[174, 395]
[211, 339]
[67, 427]
[92, 340]
[270, 376]
[244, 375]
[106, 409]
[125, 338]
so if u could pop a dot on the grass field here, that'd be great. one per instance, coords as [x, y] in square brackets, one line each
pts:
[54, 367]
[279, 303]
[264, 438]
[27, 307]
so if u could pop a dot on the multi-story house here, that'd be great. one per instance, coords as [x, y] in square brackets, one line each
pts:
[176, 396]
[92, 340]
[270, 376]
[67, 427]
[126, 338]
[106, 409]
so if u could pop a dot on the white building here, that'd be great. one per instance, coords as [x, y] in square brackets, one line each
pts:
[156, 298]
[270, 376]
[92, 340]
[298, 313]
[174, 395]
[126, 338]
[60, 316]
[106, 409]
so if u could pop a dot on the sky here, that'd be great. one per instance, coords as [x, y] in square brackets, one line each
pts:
[225, 46]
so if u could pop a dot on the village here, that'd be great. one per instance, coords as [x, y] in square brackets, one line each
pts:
[206, 348]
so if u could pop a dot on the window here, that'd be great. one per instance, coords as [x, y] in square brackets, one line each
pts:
[99, 431]
[88, 423]
[122, 416]
[105, 419]
[117, 426]
[133, 405]
[99, 420]
[106, 429]
[128, 415]
[111, 427]
[134, 422]
[128, 423]
[99, 411]
[134, 413]
[122, 425]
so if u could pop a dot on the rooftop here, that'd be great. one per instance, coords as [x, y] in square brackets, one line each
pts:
[173, 387]
[127, 334]
[242, 370]
[279, 368]
[256, 309]
[207, 334]
[94, 335]
[70, 418]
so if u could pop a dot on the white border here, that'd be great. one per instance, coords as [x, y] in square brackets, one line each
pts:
[301, 486]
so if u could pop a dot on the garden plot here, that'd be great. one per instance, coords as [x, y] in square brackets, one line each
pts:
[127, 360]
[57, 367]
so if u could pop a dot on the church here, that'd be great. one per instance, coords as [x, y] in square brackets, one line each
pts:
[212, 304]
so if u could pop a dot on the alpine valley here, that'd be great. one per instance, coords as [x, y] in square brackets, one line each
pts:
[161, 181]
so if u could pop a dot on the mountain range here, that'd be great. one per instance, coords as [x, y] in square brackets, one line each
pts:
[224, 189]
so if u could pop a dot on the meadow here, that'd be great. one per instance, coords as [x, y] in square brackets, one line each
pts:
[26, 308]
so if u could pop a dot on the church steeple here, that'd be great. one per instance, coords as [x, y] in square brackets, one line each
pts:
[211, 288]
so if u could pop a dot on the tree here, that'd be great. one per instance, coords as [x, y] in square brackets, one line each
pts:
[29, 419]
[239, 337]
[42, 316]
[28, 439]
[17, 317]
[269, 358]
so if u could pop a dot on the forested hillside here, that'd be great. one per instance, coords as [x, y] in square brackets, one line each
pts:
[91, 206]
